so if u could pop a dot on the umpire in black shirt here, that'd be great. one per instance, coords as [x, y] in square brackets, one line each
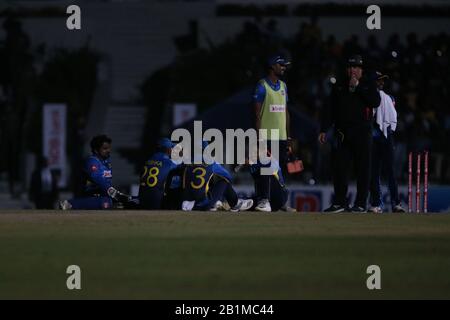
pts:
[347, 123]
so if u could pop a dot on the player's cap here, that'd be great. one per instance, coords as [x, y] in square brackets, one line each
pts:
[377, 75]
[278, 59]
[355, 61]
[165, 143]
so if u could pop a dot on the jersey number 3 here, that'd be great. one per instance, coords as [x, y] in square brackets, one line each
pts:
[200, 176]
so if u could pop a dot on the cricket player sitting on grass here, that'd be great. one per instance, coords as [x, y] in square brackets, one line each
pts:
[205, 186]
[97, 178]
[154, 178]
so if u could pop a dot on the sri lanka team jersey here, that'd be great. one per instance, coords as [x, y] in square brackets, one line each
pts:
[197, 179]
[156, 170]
[97, 175]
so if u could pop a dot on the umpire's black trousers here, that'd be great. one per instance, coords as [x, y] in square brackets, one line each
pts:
[352, 143]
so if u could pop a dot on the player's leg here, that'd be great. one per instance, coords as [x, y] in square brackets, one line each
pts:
[278, 195]
[375, 183]
[262, 190]
[204, 202]
[363, 160]
[173, 199]
[221, 190]
[233, 200]
[132, 204]
[217, 192]
[282, 154]
[340, 157]
[150, 199]
[392, 182]
[230, 196]
[87, 203]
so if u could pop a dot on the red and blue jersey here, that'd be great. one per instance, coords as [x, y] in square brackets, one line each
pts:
[97, 176]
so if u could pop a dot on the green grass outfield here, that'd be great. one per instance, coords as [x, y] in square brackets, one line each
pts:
[175, 255]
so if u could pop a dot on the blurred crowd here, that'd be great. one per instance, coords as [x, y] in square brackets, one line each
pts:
[29, 77]
[418, 70]
[419, 78]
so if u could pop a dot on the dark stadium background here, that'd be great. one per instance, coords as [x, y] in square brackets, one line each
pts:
[139, 68]
[132, 61]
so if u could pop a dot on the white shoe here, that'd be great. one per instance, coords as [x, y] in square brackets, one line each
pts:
[264, 206]
[217, 206]
[398, 208]
[226, 206]
[187, 205]
[375, 210]
[65, 205]
[242, 205]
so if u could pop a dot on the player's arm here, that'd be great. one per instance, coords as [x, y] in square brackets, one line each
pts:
[369, 94]
[95, 175]
[288, 116]
[221, 171]
[288, 122]
[327, 116]
[176, 175]
[391, 111]
[258, 107]
[173, 179]
[258, 99]
[288, 130]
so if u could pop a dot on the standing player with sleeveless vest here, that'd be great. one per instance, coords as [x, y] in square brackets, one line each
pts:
[270, 102]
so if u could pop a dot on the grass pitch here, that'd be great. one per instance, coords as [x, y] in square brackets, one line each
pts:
[175, 255]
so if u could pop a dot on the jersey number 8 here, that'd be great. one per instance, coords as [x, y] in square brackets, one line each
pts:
[152, 178]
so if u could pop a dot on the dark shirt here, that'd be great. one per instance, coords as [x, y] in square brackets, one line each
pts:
[351, 109]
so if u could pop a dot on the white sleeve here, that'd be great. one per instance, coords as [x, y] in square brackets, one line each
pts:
[391, 113]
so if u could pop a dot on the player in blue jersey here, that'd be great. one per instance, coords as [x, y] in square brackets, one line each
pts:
[206, 185]
[154, 178]
[97, 179]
